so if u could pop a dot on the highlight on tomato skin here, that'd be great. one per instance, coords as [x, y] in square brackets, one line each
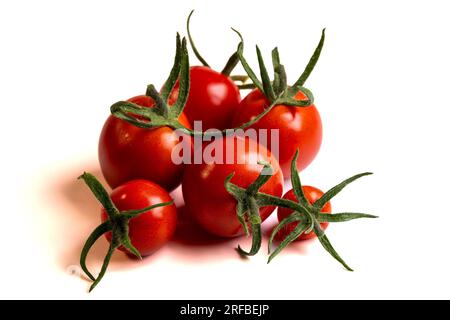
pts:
[213, 98]
[205, 195]
[127, 152]
[153, 229]
[300, 128]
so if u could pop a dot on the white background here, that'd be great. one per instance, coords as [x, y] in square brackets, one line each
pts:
[382, 89]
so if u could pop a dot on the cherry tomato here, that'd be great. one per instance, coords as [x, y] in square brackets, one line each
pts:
[151, 230]
[204, 192]
[299, 127]
[127, 152]
[213, 98]
[312, 194]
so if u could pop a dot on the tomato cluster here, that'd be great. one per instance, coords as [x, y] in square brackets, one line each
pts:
[238, 181]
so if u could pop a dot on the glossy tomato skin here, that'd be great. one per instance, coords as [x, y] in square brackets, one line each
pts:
[152, 229]
[312, 194]
[205, 195]
[213, 98]
[299, 127]
[127, 152]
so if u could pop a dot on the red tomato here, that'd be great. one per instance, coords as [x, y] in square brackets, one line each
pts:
[299, 128]
[213, 98]
[151, 230]
[312, 195]
[127, 152]
[204, 192]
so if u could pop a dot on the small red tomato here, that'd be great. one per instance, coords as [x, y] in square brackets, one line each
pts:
[151, 230]
[312, 195]
[213, 98]
[127, 152]
[204, 192]
[300, 128]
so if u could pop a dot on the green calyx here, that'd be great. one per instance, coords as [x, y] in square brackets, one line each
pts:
[248, 204]
[164, 115]
[161, 114]
[117, 224]
[277, 91]
[308, 216]
[191, 41]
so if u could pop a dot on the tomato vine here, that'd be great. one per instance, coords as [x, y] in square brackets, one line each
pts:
[250, 200]
[117, 224]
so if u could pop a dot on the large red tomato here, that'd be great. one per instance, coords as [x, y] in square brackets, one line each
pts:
[213, 98]
[127, 152]
[151, 230]
[312, 194]
[299, 127]
[204, 191]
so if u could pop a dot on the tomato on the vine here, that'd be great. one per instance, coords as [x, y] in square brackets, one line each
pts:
[300, 128]
[203, 185]
[138, 217]
[312, 194]
[127, 152]
[290, 109]
[151, 230]
[213, 98]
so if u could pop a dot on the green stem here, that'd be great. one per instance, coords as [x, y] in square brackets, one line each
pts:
[191, 41]
[239, 77]
[246, 86]
[231, 64]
